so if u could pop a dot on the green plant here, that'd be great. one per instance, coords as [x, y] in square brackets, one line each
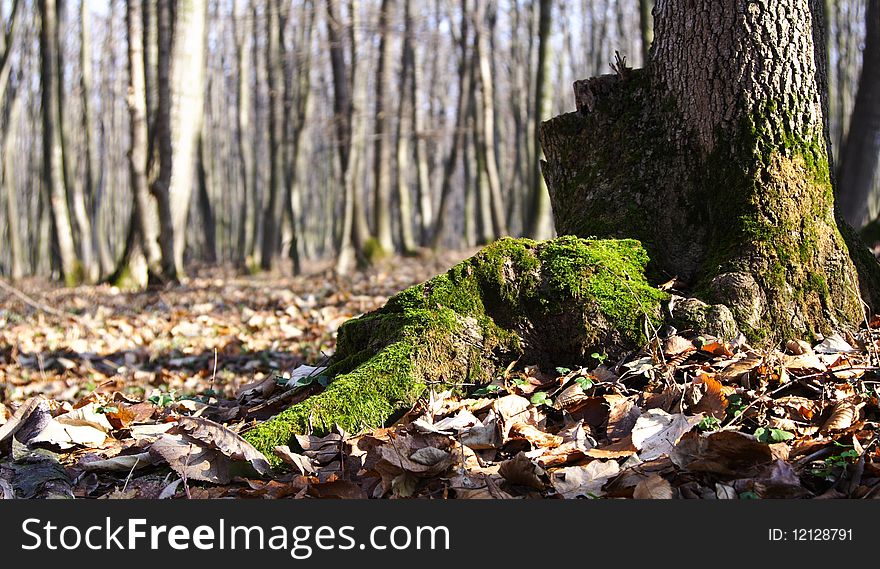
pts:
[540, 398]
[599, 357]
[709, 423]
[772, 435]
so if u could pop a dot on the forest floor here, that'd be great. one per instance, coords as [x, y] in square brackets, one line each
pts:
[108, 394]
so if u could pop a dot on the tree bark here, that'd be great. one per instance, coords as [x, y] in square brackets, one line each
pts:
[716, 157]
[487, 120]
[187, 111]
[382, 145]
[53, 175]
[858, 164]
[241, 31]
[272, 213]
[539, 217]
[161, 188]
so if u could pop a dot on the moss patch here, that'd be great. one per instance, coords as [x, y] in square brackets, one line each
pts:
[555, 301]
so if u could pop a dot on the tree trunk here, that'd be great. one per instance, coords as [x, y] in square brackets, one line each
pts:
[487, 120]
[209, 253]
[404, 201]
[715, 156]
[423, 177]
[539, 216]
[53, 175]
[241, 31]
[646, 27]
[91, 167]
[272, 213]
[187, 111]
[342, 110]
[162, 186]
[16, 259]
[858, 165]
[382, 145]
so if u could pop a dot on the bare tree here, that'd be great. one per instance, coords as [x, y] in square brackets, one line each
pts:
[53, 176]
[858, 165]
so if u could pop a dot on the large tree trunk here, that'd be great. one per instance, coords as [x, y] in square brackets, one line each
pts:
[715, 156]
[858, 165]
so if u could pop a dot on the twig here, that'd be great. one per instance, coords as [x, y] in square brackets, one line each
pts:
[36, 304]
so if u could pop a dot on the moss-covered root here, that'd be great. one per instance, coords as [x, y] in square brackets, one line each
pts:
[554, 302]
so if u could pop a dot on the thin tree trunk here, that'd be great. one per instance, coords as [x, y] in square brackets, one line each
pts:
[16, 259]
[241, 31]
[382, 145]
[104, 263]
[272, 213]
[459, 138]
[646, 26]
[539, 223]
[187, 112]
[858, 164]
[424, 195]
[161, 187]
[487, 130]
[404, 202]
[53, 176]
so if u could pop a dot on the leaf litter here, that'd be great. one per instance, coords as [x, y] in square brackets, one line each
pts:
[145, 396]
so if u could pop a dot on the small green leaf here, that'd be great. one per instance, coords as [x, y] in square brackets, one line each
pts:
[540, 398]
[563, 370]
[585, 383]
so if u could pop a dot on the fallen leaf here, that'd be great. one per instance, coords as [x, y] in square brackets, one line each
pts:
[654, 487]
[521, 471]
[842, 416]
[301, 463]
[224, 440]
[656, 432]
[587, 481]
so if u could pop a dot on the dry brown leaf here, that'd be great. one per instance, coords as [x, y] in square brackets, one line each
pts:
[842, 416]
[521, 471]
[224, 440]
[655, 487]
[301, 463]
[675, 345]
[713, 402]
[586, 481]
[622, 416]
[537, 437]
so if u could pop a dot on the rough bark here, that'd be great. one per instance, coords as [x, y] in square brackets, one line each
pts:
[715, 157]
[858, 164]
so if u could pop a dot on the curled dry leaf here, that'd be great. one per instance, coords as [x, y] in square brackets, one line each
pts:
[842, 416]
[522, 471]
[224, 440]
[301, 463]
[537, 437]
[119, 463]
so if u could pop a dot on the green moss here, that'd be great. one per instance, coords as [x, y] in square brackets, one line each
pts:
[461, 326]
[373, 250]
